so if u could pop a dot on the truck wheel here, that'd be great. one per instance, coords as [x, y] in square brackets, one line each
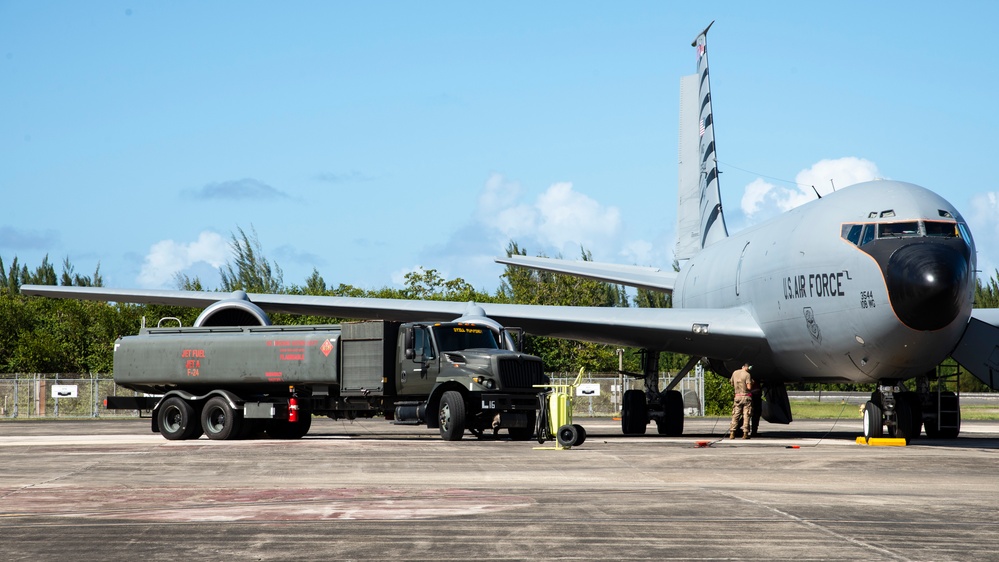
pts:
[567, 435]
[452, 416]
[524, 433]
[219, 420]
[176, 419]
[283, 429]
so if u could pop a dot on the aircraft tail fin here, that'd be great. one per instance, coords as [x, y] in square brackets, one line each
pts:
[700, 219]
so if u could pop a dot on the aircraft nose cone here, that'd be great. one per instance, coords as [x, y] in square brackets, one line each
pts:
[926, 284]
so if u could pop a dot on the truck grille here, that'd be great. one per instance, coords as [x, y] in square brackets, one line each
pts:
[518, 372]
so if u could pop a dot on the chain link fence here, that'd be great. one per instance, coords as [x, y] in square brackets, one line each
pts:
[82, 396]
[601, 394]
[59, 396]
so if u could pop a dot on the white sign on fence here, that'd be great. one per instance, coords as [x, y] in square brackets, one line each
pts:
[64, 391]
[588, 389]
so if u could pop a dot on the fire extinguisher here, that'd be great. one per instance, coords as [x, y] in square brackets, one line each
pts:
[293, 409]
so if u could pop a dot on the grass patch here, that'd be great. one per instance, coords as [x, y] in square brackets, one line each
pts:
[814, 410]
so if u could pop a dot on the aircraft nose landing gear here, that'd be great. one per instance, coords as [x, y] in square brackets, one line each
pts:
[896, 409]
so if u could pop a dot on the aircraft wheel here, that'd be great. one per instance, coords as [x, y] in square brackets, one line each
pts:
[874, 423]
[452, 416]
[634, 413]
[910, 401]
[176, 419]
[567, 435]
[671, 424]
[903, 419]
[220, 421]
[580, 434]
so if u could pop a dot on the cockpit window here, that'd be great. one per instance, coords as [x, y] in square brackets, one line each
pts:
[898, 229]
[868, 234]
[852, 233]
[860, 234]
[941, 229]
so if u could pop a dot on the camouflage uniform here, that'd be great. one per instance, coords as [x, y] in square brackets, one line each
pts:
[743, 404]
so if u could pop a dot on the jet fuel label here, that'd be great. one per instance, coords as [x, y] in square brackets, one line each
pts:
[815, 285]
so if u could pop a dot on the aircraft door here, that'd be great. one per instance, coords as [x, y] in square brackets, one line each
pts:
[418, 374]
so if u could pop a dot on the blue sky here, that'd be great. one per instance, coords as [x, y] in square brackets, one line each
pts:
[367, 139]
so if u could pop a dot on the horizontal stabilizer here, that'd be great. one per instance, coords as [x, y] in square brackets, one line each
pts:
[978, 350]
[651, 278]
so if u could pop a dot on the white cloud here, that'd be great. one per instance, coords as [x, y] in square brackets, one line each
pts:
[167, 258]
[568, 219]
[754, 195]
[559, 219]
[766, 199]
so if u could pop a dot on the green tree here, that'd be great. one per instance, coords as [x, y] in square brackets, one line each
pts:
[987, 295]
[522, 285]
[249, 270]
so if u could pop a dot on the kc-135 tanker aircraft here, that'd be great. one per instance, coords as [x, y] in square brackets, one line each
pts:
[873, 283]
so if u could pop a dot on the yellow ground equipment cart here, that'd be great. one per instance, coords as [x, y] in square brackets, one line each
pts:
[555, 418]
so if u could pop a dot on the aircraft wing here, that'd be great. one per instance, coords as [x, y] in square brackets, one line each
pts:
[651, 278]
[978, 349]
[719, 333]
[987, 315]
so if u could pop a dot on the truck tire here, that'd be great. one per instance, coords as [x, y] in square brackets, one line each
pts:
[452, 416]
[176, 419]
[524, 433]
[219, 420]
[283, 429]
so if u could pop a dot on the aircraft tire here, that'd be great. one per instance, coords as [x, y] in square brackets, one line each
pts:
[873, 420]
[903, 419]
[220, 421]
[671, 424]
[452, 416]
[634, 413]
[580, 434]
[911, 401]
[567, 435]
[176, 419]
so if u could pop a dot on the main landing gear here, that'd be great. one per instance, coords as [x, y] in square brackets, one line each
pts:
[665, 407]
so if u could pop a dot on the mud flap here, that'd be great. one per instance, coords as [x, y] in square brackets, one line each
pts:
[978, 352]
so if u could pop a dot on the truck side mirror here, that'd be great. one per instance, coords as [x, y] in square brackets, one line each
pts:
[408, 345]
[515, 337]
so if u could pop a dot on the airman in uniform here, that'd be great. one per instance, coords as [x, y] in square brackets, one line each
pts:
[742, 407]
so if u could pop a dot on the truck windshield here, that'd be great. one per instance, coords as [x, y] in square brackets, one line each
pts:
[456, 337]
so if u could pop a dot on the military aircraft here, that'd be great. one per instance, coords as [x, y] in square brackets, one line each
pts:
[873, 283]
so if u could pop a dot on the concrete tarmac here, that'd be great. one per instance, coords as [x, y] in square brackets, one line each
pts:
[111, 490]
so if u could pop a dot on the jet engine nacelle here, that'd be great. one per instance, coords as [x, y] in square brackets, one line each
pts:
[237, 310]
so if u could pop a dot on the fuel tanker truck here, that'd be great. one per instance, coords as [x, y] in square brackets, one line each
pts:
[229, 382]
